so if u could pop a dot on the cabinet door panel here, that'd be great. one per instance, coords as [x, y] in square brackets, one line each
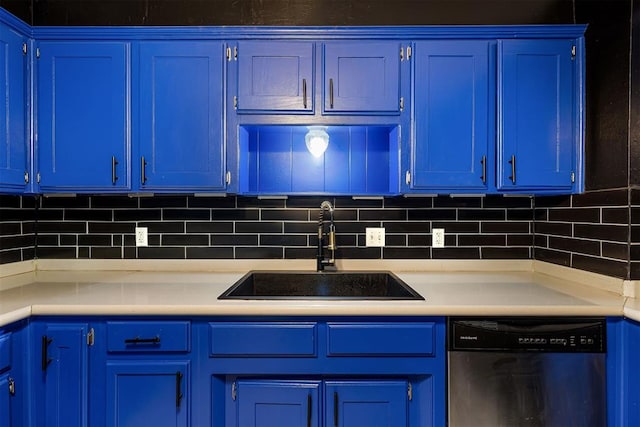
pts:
[536, 110]
[181, 114]
[275, 76]
[14, 145]
[153, 393]
[65, 377]
[5, 402]
[450, 147]
[278, 403]
[83, 140]
[366, 403]
[362, 77]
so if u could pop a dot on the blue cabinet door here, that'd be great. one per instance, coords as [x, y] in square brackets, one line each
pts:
[14, 144]
[275, 76]
[83, 103]
[147, 393]
[362, 77]
[536, 114]
[271, 403]
[366, 403]
[64, 369]
[450, 148]
[181, 93]
[6, 412]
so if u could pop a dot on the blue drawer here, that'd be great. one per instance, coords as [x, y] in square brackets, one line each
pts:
[148, 336]
[5, 351]
[263, 339]
[380, 339]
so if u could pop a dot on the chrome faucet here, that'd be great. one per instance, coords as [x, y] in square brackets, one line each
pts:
[324, 264]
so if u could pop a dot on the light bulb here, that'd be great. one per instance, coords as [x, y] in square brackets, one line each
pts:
[317, 140]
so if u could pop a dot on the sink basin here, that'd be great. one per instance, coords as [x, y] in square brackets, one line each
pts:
[343, 285]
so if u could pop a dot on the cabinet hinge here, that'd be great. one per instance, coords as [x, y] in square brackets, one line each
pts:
[235, 102]
[91, 337]
[37, 52]
[235, 53]
[234, 390]
[401, 53]
[227, 177]
[24, 48]
[409, 52]
[573, 52]
[12, 387]
[573, 177]
[410, 391]
[407, 177]
[228, 53]
[38, 177]
[26, 177]
[401, 103]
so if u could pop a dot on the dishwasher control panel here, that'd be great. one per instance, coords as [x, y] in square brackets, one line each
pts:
[576, 335]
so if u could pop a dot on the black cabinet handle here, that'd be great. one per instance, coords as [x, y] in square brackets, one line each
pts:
[138, 340]
[335, 408]
[114, 163]
[45, 360]
[143, 171]
[483, 162]
[178, 388]
[330, 93]
[309, 403]
[304, 93]
[513, 169]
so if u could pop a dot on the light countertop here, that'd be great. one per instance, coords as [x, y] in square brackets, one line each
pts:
[195, 293]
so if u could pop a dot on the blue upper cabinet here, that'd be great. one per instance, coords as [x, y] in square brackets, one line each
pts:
[83, 116]
[14, 143]
[362, 77]
[274, 76]
[181, 141]
[538, 115]
[453, 112]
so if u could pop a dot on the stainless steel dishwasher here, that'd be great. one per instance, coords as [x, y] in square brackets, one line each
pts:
[509, 372]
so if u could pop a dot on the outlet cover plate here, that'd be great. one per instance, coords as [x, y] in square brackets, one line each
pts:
[142, 238]
[437, 238]
[374, 237]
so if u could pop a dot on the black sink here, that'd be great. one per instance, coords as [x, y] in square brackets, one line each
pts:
[343, 285]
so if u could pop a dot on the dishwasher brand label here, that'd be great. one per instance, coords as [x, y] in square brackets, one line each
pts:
[469, 337]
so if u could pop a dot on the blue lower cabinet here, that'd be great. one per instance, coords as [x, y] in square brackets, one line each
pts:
[6, 394]
[278, 403]
[366, 403]
[294, 403]
[147, 393]
[63, 367]
[631, 374]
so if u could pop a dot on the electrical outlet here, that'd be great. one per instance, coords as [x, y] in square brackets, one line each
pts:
[141, 236]
[375, 236]
[437, 238]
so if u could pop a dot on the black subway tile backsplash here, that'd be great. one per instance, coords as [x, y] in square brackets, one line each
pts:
[589, 231]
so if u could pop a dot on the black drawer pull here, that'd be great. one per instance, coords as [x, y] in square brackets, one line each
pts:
[46, 360]
[138, 340]
[179, 394]
[336, 403]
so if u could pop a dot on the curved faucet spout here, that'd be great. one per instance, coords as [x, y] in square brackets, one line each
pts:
[322, 262]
